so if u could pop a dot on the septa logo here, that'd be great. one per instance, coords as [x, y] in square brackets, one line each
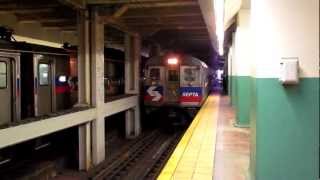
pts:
[190, 94]
[153, 93]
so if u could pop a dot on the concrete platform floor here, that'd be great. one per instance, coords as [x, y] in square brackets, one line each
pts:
[232, 146]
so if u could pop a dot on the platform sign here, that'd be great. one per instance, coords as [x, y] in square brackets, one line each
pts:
[190, 94]
[153, 93]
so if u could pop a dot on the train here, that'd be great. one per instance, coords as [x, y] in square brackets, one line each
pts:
[175, 81]
[33, 80]
[38, 82]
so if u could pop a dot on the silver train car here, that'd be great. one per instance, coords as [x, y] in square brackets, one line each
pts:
[33, 81]
[175, 80]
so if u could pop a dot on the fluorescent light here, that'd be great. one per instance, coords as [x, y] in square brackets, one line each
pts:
[219, 19]
[172, 61]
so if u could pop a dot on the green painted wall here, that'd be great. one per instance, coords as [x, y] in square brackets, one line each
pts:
[243, 102]
[285, 130]
[234, 91]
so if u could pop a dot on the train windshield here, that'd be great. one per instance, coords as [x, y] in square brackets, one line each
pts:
[155, 73]
[191, 74]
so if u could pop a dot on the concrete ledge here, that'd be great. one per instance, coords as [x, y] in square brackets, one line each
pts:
[21, 133]
[120, 105]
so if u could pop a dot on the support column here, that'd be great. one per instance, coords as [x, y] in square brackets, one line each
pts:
[83, 59]
[97, 60]
[242, 66]
[84, 146]
[84, 134]
[132, 66]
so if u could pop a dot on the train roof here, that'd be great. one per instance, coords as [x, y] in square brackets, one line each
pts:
[184, 60]
[13, 46]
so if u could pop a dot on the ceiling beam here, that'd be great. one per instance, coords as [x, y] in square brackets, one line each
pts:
[141, 24]
[111, 21]
[159, 11]
[26, 10]
[123, 1]
[61, 28]
[59, 24]
[164, 15]
[15, 6]
[76, 4]
[164, 20]
[24, 19]
[162, 4]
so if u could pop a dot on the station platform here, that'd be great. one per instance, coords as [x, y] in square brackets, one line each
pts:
[211, 148]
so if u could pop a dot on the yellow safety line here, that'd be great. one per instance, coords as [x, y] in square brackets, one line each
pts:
[202, 128]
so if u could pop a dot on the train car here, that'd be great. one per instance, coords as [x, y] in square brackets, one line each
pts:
[33, 81]
[175, 80]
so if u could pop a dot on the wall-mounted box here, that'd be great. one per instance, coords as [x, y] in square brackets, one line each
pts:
[289, 71]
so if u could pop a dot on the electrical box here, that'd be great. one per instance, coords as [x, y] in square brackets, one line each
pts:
[289, 71]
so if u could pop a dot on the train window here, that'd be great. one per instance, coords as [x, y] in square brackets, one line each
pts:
[3, 75]
[173, 75]
[43, 74]
[155, 73]
[190, 74]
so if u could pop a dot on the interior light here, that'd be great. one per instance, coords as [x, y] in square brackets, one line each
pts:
[62, 78]
[173, 61]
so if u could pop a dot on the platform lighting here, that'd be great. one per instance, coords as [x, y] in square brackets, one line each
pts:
[172, 61]
[219, 19]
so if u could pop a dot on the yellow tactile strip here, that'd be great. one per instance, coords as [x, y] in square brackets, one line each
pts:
[193, 158]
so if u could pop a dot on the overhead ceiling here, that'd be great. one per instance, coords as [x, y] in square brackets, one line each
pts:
[174, 24]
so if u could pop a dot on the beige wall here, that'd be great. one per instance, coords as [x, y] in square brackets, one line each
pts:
[286, 28]
[242, 45]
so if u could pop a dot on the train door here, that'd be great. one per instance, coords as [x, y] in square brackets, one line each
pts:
[43, 82]
[6, 89]
[191, 86]
[173, 84]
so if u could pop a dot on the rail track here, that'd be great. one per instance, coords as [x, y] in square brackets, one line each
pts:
[140, 159]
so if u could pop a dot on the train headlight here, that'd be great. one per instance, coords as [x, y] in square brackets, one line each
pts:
[172, 61]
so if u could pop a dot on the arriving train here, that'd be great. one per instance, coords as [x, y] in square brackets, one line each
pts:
[177, 81]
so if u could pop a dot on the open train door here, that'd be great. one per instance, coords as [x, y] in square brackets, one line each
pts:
[43, 85]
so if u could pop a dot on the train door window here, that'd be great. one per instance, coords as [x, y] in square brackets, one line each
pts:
[3, 75]
[173, 75]
[155, 73]
[43, 74]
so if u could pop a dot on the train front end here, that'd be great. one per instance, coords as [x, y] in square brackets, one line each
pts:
[174, 80]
